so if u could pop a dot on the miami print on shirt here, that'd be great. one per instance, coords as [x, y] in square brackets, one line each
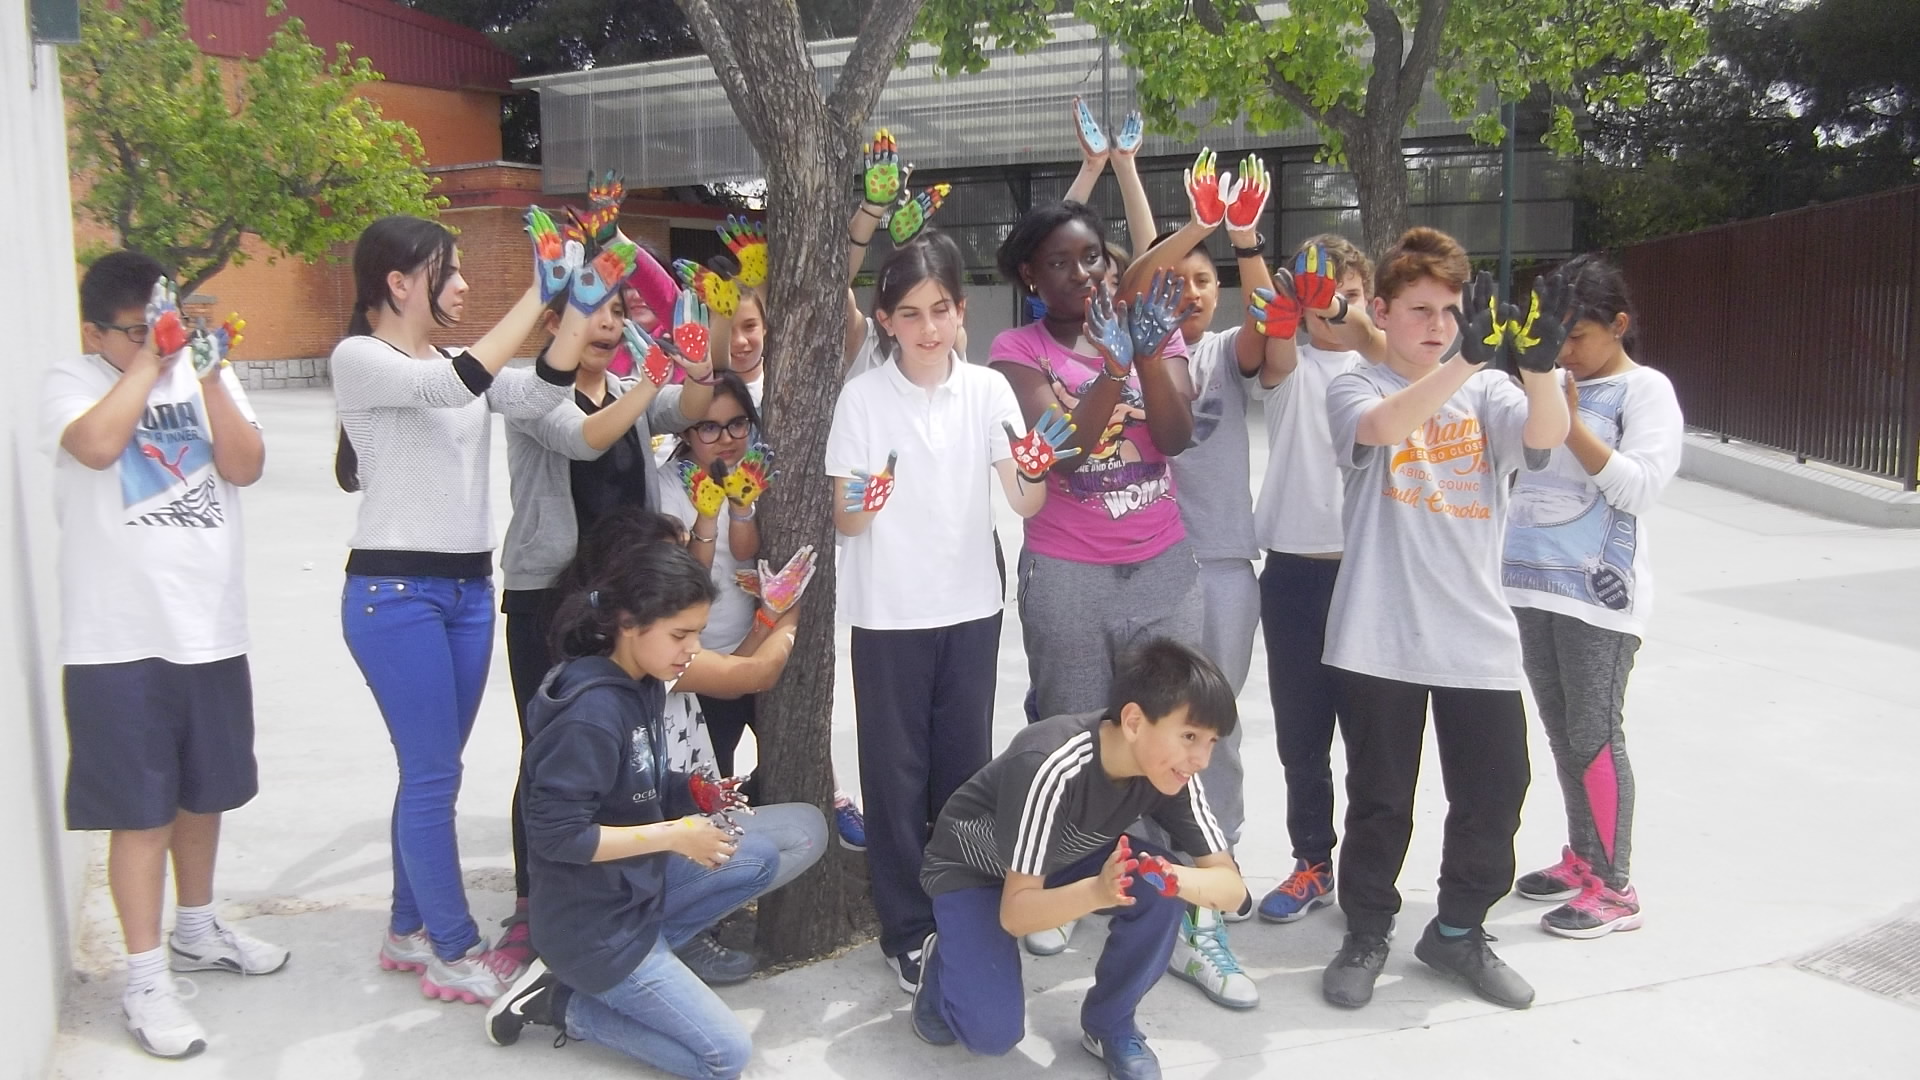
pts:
[1442, 468]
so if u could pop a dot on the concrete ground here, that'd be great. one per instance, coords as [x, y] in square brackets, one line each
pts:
[1775, 720]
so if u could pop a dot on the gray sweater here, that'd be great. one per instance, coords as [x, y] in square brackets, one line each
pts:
[544, 531]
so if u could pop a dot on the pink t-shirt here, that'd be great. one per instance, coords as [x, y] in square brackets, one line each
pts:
[1118, 506]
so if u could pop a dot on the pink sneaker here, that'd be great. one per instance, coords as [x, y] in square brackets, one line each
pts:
[478, 977]
[409, 953]
[517, 941]
[1562, 881]
[1596, 912]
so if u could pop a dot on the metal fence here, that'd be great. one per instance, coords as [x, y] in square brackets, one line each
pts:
[1799, 332]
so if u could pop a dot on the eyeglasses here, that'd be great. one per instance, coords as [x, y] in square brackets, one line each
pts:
[708, 431]
[136, 332]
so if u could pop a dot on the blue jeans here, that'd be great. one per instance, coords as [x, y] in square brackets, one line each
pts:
[662, 1014]
[424, 644]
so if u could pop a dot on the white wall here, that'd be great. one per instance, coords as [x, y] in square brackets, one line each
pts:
[43, 864]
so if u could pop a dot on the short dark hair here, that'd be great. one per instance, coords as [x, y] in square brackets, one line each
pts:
[115, 282]
[932, 256]
[625, 573]
[1032, 230]
[1598, 293]
[1160, 675]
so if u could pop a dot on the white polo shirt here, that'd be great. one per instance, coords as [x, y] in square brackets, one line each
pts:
[927, 558]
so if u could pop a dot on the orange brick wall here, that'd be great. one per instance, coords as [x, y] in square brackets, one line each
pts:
[292, 309]
[455, 126]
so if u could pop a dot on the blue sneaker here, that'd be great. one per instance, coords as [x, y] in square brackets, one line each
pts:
[848, 822]
[927, 1021]
[1307, 888]
[1126, 1058]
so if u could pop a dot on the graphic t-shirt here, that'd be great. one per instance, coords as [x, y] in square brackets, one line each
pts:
[1575, 543]
[1118, 506]
[1046, 803]
[1299, 506]
[151, 555]
[1214, 474]
[1418, 598]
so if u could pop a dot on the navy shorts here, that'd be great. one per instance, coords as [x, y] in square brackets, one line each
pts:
[150, 738]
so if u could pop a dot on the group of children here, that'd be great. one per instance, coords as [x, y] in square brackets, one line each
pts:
[1442, 515]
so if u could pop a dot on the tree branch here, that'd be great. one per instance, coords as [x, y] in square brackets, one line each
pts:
[1389, 56]
[712, 33]
[882, 34]
[1425, 52]
[1337, 116]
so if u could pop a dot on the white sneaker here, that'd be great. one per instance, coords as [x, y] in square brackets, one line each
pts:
[1201, 956]
[410, 953]
[477, 977]
[160, 1021]
[226, 949]
[1050, 942]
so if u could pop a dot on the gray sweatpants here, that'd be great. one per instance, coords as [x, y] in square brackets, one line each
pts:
[1230, 609]
[1579, 677]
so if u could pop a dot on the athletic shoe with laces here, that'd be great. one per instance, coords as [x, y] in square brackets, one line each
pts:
[1596, 912]
[1050, 942]
[516, 938]
[928, 1024]
[1468, 958]
[225, 949]
[849, 823]
[906, 969]
[1202, 957]
[1561, 881]
[476, 977]
[157, 1017]
[1348, 981]
[410, 952]
[1126, 1058]
[534, 998]
[1307, 888]
[714, 963]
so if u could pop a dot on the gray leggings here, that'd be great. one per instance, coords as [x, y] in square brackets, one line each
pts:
[1579, 676]
[1076, 619]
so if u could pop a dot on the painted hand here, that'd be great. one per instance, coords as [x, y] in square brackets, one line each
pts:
[1093, 141]
[712, 283]
[658, 357]
[1116, 876]
[555, 261]
[1106, 328]
[752, 477]
[1482, 331]
[1157, 873]
[1203, 190]
[1038, 450]
[1132, 131]
[1155, 317]
[880, 182]
[1313, 283]
[748, 242]
[718, 799]
[869, 492]
[604, 196]
[911, 216]
[598, 281]
[703, 486]
[780, 590]
[1536, 343]
[166, 328]
[1276, 314]
[1250, 198]
[690, 328]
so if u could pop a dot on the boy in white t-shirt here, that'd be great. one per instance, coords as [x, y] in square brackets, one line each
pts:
[148, 462]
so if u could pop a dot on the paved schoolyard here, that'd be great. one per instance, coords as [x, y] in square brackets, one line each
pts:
[1774, 720]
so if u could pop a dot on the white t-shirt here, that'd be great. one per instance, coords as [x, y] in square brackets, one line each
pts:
[152, 562]
[1576, 543]
[730, 619]
[1216, 504]
[1299, 506]
[1418, 598]
[927, 558]
[689, 746]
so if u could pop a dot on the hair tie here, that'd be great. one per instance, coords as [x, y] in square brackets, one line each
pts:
[593, 599]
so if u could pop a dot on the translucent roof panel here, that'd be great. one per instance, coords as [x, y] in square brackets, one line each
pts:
[668, 123]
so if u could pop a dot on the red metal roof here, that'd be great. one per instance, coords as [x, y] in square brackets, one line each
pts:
[403, 45]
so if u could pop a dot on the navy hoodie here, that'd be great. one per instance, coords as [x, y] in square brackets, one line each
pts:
[595, 756]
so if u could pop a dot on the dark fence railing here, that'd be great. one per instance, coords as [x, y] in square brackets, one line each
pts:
[1800, 331]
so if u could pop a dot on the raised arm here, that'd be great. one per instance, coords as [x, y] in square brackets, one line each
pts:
[1141, 225]
[1093, 152]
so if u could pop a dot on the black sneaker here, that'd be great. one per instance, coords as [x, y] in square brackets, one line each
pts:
[534, 998]
[906, 969]
[1468, 959]
[1348, 981]
[714, 963]
[927, 1021]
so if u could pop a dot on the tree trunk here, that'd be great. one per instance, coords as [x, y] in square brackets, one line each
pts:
[807, 144]
[1373, 153]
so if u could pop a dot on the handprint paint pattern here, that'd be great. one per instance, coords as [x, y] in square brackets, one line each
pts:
[1562, 537]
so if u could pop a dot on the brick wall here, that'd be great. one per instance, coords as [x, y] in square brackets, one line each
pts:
[455, 126]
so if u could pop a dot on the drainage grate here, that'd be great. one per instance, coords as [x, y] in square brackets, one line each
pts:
[1885, 960]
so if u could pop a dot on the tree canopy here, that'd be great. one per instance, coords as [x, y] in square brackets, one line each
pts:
[184, 164]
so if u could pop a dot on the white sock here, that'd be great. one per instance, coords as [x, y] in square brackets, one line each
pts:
[145, 970]
[193, 923]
